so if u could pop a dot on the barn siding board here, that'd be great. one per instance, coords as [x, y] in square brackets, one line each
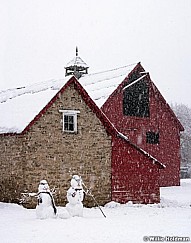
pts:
[161, 120]
[110, 164]
[134, 177]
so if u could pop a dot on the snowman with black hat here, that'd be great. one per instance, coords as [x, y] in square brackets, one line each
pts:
[45, 207]
[75, 196]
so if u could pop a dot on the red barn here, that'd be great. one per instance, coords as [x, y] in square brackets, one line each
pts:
[138, 110]
[113, 128]
[44, 147]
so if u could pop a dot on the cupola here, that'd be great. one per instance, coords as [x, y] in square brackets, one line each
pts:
[76, 67]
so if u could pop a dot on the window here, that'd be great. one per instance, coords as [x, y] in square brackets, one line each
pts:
[136, 99]
[70, 120]
[69, 123]
[152, 138]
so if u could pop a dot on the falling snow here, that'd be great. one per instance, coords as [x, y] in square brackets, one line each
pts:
[123, 223]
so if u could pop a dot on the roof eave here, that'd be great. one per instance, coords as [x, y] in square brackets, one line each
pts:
[155, 161]
[107, 124]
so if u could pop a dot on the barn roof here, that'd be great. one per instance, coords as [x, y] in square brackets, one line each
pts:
[155, 161]
[19, 106]
[22, 99]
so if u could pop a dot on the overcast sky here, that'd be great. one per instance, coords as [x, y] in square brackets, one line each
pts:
[38, 38]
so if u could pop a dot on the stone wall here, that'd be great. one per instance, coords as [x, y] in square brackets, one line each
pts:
[11, 175]
[46, 152]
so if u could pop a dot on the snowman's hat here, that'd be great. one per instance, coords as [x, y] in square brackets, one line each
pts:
[43, 182]
[76, 177]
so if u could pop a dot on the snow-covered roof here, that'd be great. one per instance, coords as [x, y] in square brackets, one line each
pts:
[155, 161]
[76, 61]
[101, 85]
[19, 106]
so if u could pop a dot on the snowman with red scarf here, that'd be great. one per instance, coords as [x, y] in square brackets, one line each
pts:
[45, 207]
[75, 196]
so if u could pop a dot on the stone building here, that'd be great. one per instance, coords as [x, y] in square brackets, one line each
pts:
[55, 129]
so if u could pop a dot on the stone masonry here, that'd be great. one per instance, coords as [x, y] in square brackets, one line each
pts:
[46, 152]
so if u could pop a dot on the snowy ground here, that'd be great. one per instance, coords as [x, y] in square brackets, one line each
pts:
[124, 223]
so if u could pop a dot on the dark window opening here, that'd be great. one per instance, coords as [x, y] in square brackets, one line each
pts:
[134, 76]
[69, 123]
[152, 138]
[136, 99]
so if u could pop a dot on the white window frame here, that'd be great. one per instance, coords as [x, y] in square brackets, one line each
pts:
[70, 113]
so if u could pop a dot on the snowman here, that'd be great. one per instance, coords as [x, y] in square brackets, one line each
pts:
[75, 196]
[45, 207]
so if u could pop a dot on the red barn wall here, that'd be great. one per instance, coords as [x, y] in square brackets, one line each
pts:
[134, 176]
[161, 120]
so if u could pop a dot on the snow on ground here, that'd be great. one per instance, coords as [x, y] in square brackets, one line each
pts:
[125, 223]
